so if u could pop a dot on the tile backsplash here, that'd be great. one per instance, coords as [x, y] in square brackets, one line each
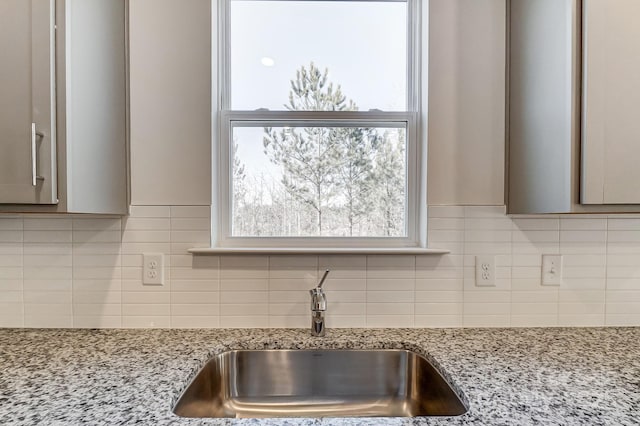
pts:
[87, 272]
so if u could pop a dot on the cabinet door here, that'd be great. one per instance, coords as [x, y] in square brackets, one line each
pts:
[611, 102]
[27, 102]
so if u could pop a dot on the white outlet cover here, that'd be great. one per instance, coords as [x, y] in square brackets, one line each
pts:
[551, 269]
[485, 271]
[153, 269]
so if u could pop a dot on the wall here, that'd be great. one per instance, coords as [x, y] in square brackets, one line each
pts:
[86, 271]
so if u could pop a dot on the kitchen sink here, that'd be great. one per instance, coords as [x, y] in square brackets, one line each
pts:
[319, 383]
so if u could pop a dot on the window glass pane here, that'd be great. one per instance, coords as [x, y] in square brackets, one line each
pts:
[319, 181]
[354, 50]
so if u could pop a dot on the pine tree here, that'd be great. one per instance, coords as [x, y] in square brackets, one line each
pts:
[390, 182]
[311, 157]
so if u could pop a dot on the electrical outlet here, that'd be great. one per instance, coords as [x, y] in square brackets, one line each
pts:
[551, 269]
[153, 269]
[485, 271]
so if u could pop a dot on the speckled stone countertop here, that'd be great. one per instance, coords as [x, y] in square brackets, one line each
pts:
[577, 376]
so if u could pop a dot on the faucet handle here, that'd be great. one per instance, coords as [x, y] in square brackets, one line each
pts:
[324, 277]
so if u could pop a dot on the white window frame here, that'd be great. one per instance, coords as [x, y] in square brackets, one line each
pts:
[412, 119]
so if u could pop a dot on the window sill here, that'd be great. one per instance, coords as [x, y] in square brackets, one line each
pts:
[311, 250]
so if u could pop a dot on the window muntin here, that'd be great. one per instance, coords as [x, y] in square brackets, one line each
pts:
[236, 125]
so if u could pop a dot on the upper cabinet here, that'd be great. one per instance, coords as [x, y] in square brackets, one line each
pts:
[573, 106]
[611, 102]
[63, 106]
[27, 102]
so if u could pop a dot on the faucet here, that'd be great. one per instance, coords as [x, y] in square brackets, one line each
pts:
[318, 306]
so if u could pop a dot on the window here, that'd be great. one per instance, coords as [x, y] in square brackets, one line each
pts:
[319, 124]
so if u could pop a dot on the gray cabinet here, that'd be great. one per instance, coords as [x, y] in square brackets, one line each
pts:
[611, 102]
[27, 102]
[573, 106]
[63, 106]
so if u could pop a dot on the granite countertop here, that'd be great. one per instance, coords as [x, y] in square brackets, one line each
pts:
[552, 376]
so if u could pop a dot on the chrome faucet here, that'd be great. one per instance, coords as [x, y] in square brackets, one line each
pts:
[318, 306]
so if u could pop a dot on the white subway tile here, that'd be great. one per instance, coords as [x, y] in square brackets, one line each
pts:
[484, 211]
[11, 285]
[47, 297]
[629, 224]
[445, 223]
[239, 267]
[97, 285]
[11, 273]
[438, 321]
[439, 284]
[333, 284]
[389, 309]
[146, 321]
[11, 236]
[537, 224]
[240, 297]
[48, 310]
[244, 321]
[570, 236]
[97, 310]
[7, 297]
[132, 297]
[201, 309]
[342, 308]
[11, 223]
[390, 296]
[572, 224]
[541, 296]
[47, 320]
[289, 321]
[390, 321]
[535, 236]
[486, 320]
[11, 261]
[47, 285]
[47, 236]
[445, 211]
[145, 310]
[582, 320]
[623, 320]
[390, 284]
[346, 321]
[439, 297]
[623, 283]
[534, 320]
[244, 309]
[536, 308]
[190, 211]
[195, 322]
[146, 236]
[190, 224]
[446, 236]
[289, 296]
[150, 211]
[49, 224]
[391, 266]
[147, 224]
[439, 309]
[191, 237]
[194, 298]
[97, 321]
[97, 297]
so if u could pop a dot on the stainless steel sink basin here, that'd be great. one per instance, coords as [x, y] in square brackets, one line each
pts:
[318, 383]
